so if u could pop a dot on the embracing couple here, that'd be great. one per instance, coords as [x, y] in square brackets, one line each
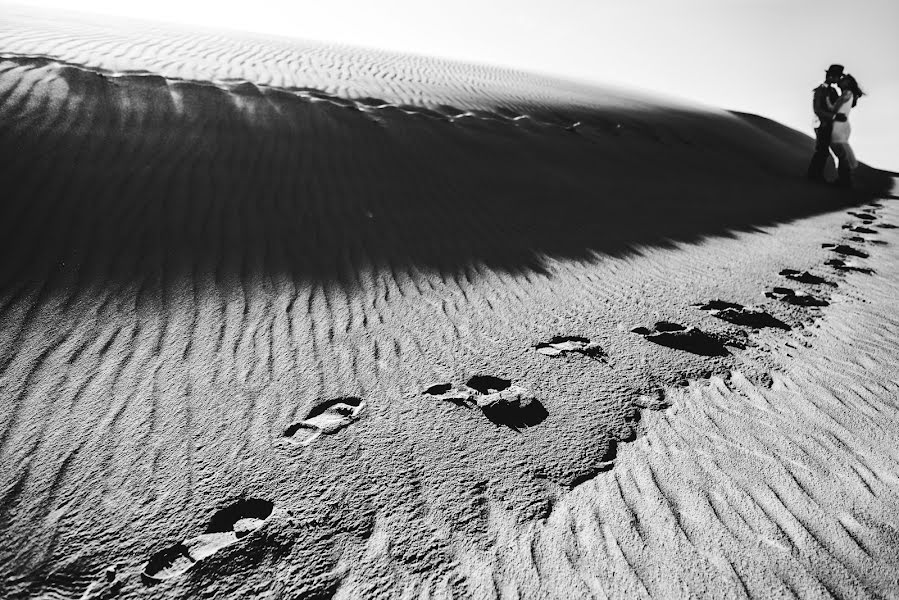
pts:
[832, 102]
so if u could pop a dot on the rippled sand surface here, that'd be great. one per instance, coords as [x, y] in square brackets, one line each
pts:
[284, 319]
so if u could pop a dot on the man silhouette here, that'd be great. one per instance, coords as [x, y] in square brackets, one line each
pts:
[823, 101]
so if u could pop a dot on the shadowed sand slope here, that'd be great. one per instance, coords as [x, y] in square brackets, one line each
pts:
[308, 178]
[201, 177]
[280, 319]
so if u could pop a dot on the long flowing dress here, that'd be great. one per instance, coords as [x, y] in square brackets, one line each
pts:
[839, 139]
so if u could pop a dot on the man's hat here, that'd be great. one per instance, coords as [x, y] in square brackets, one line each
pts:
[836, 70]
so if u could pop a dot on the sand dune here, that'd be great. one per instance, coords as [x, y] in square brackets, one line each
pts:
[284, 319]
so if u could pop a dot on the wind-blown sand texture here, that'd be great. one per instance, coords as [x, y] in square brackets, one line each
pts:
[286, 320]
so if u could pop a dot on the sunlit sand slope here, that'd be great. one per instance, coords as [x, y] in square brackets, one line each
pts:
[789, 489]
[286, 319]
[125, 47]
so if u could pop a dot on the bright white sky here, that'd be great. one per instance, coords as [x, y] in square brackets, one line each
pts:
[760, 56]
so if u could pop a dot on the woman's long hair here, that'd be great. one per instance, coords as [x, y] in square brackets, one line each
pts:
[848, 82]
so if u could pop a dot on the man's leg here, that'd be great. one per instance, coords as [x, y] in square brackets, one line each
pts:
[822, 152]
[844, 167]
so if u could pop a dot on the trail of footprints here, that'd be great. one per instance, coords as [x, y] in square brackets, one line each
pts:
[503, 402]
[692, 339]
[846, 262]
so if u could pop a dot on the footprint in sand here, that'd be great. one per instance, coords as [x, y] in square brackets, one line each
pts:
[459, 395]
[861, 240]
[860, 229]
[842, 265]
[679, 337]
[793, 297]
[499, 400]
[845, 250]
[326, 417]
[748, 316]
[805, 277]
[569, 344]
[226, 527]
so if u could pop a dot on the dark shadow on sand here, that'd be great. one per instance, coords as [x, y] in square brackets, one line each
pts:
[515, 417]
[139, 179]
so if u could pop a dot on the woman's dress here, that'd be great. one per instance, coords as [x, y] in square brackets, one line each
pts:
[839, 139]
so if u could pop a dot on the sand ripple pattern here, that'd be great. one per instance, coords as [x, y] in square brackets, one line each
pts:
[121, 46]
[738, 490]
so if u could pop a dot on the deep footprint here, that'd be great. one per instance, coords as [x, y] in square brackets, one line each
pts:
[860, 229]
[499, 400]
[225, 527]
[842, 265]
[793, 297]
[459, 395]
[325, 418]
[845, 250]
[805, 277]
[747, 316]
[566, 344]
[679, 337]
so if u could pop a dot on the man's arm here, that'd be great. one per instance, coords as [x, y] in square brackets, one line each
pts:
[823, 109]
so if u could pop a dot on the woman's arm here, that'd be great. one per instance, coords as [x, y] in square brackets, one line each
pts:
[843, 99]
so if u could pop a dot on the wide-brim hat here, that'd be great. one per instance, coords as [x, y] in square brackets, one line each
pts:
[835, 70]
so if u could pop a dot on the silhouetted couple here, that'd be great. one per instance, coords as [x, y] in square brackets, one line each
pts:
[832, 102]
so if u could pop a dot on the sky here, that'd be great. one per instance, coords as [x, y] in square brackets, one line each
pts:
[758, 56]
